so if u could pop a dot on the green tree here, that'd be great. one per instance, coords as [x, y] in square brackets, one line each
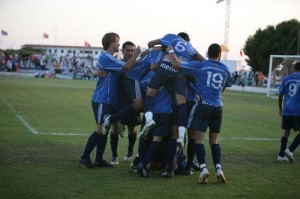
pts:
[274, 40]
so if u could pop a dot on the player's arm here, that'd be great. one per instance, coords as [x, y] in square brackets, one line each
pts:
[99, 73]
[198, 57]
[280, 99]
[145, 52]
[129, 63]
[173, 58]
[153, 43]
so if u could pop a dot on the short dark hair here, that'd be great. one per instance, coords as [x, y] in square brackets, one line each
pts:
[214, 50]
[109, 38]
[297, 66]
[184, 36]
[127, 43]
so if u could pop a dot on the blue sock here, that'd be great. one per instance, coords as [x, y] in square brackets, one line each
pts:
[216, 154]
[136, 161]
[200, 151]
[283, 143]
[295, 143]
[171, 152]
[131, 142]
[114, 140]
[148, 103]
[190, 152]
[182, 115]
[154, 146]
[90, 145]
[101, 144]
[143, 147]
[125, 111]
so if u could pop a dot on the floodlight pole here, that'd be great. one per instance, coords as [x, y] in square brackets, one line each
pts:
[226, 34]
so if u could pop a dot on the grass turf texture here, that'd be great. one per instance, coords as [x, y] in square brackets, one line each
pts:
[46, 165]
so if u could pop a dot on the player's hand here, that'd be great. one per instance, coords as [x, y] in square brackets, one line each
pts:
[99, 73]
[169, 48]
[137, 50]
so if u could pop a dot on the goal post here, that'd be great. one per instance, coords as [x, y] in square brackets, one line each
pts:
[279, 67]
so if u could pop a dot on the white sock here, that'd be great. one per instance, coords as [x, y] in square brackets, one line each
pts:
[218, 166]
[181, 130]
[148, 116]
[202, 166]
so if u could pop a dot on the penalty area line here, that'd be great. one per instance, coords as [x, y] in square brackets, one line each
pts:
[33, 131]
[20, 117]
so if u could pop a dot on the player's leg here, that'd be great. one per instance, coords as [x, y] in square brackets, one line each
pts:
[130, 108]
[106, 109]
[155, 83]
[283, 144]
[131, 141]
[114, 140]
[295, 120]
[215, 126]
[95, 138]
[200, 152]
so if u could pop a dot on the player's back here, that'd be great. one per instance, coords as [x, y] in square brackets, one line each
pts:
[214, 76]
[183, 49]
[290, 87]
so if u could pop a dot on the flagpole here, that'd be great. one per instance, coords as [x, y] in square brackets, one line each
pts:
[298, 43]
[55, 35]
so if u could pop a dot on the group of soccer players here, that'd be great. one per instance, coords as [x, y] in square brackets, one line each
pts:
[176, 88]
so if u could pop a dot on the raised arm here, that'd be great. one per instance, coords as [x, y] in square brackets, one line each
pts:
[129, 63]
[173, 58]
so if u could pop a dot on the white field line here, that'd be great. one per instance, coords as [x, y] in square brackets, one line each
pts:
[33, 131]
[20, 117]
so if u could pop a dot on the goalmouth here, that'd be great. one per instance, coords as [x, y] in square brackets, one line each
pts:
[279, 67]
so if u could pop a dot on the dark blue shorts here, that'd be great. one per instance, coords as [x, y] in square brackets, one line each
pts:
[102, 110]
[203, 116]
[132, 88]
[163, 125]
[132, 120]
[290, 122]
[165, 74]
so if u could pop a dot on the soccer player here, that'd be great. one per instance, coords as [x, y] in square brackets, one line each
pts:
[191, 99]
[212, 78]
[104, 98]
[166, 71]
[162, 112]
[289, 97]
[132, 120]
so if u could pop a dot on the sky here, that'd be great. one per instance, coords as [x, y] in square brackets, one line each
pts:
[72, 22]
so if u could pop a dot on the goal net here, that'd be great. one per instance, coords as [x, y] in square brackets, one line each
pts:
[279, 67]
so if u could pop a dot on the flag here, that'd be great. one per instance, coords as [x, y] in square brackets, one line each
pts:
[45, 35]
[241, 52]
[4, 33]
[87, 44]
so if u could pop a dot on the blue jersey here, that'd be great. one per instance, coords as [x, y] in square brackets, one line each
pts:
[106, 91]
[183, 49]
[163, 101]
[191, 92]
[211, 77]
[290, 88]
[142, 67]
